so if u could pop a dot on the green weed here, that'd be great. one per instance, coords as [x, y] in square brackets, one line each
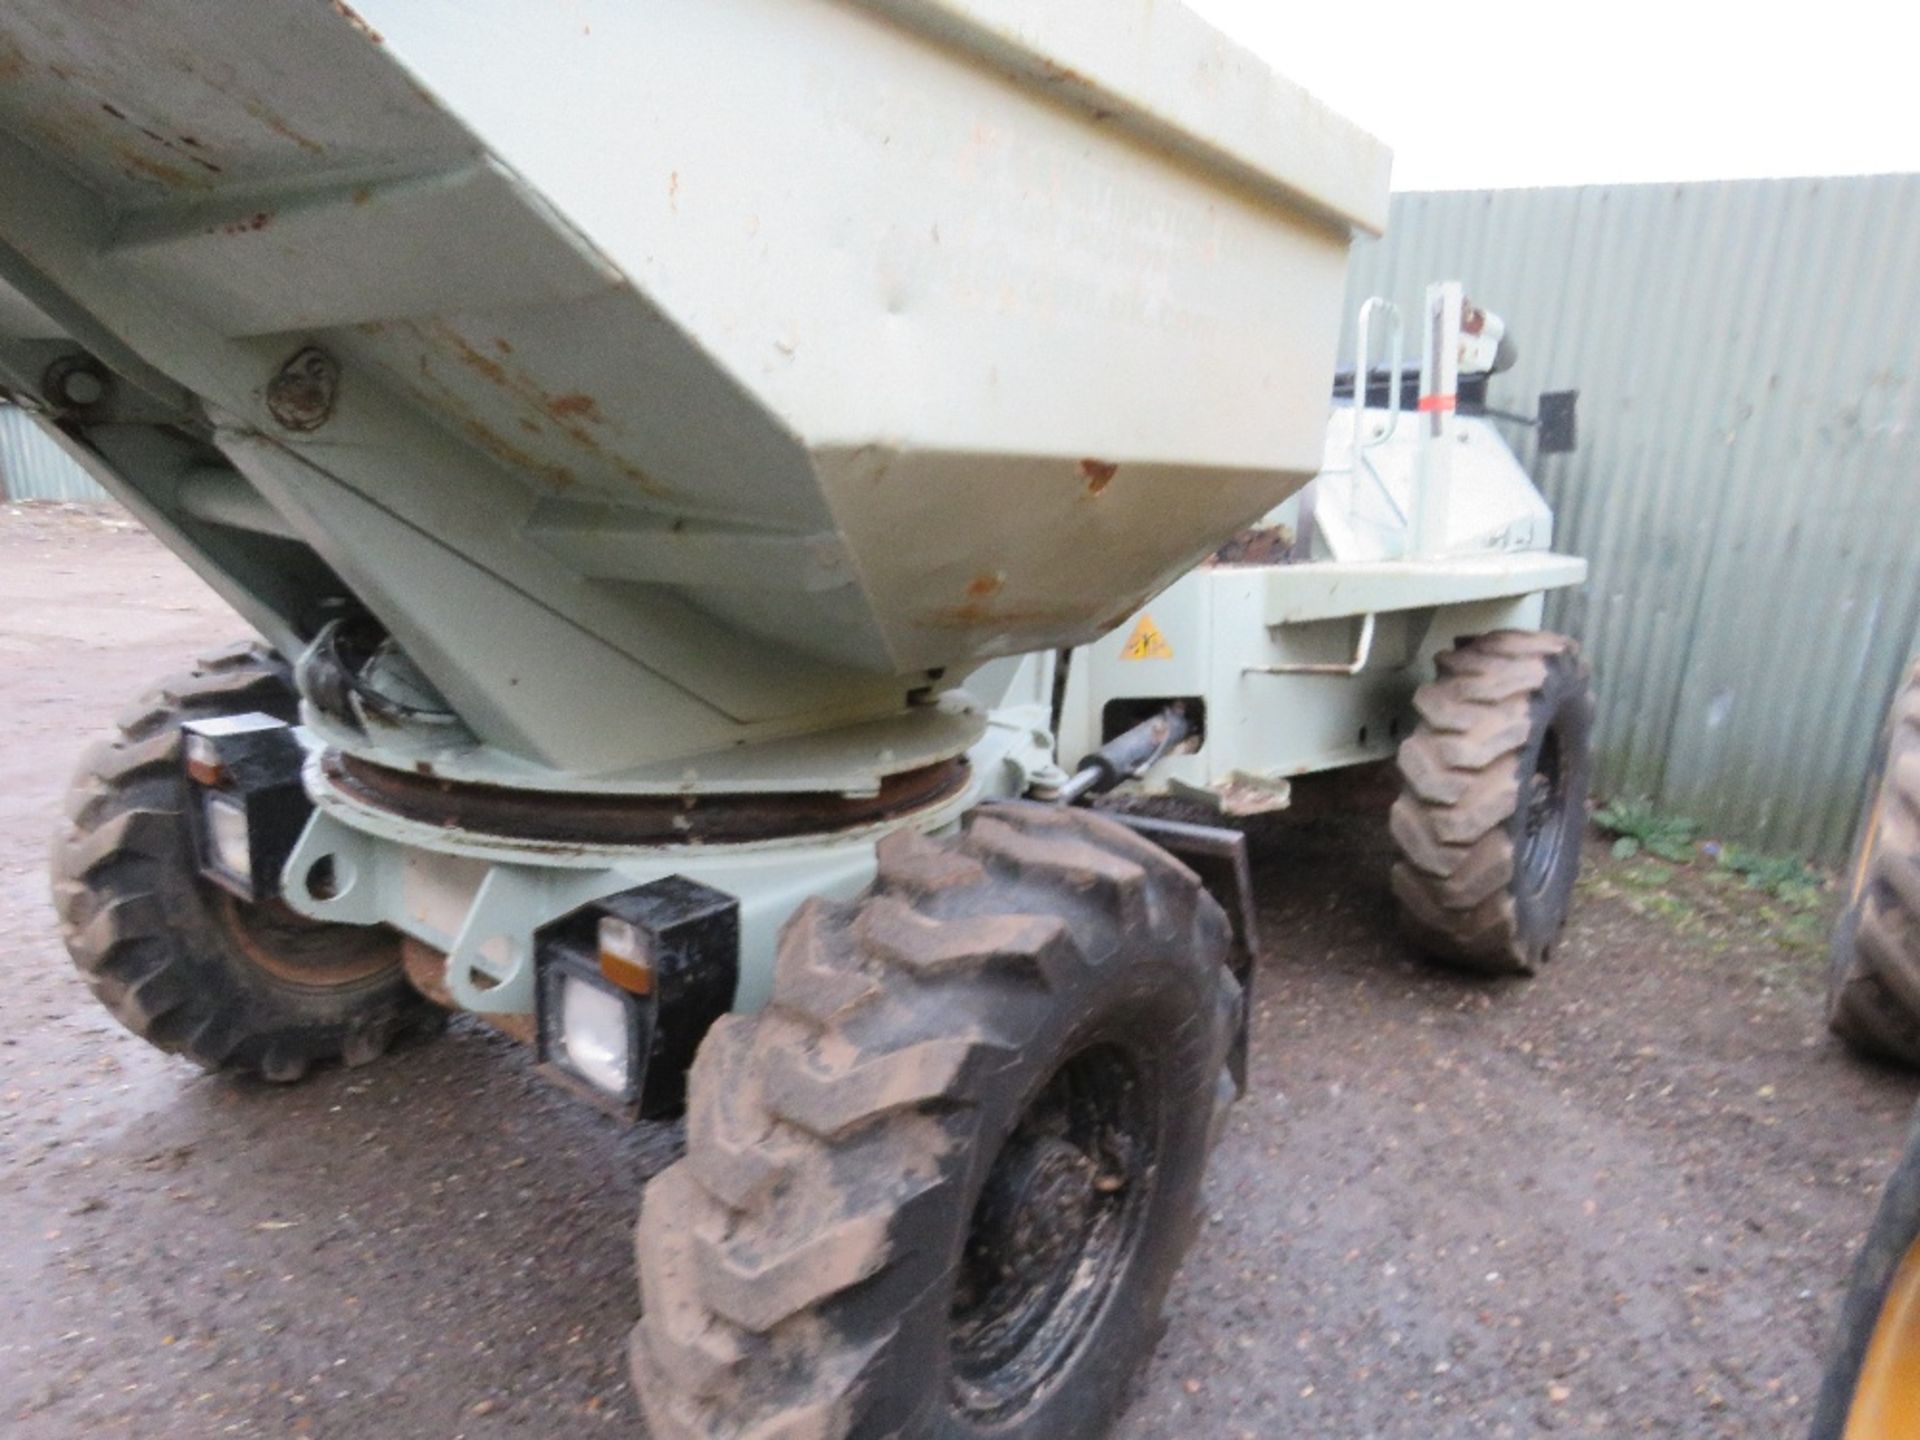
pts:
[1638, 826]
[1785, 877]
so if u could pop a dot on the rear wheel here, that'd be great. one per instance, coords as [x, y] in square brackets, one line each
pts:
[1490, 821]
[1873, 985]
[940, 1186]
[179, 961]
[1872, 1386]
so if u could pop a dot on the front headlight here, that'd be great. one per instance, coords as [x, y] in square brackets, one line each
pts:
[593, 1034]
[229, 843]
[596, 1034]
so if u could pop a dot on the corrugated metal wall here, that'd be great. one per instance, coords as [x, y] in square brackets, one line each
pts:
[32, 467]
[1748, 479]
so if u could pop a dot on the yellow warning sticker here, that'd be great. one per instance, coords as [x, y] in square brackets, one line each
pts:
[1146, 642]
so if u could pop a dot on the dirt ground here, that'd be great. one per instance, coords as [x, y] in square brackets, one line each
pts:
[1619, 1199]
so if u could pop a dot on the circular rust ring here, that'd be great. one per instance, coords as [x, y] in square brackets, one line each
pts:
[557, 817]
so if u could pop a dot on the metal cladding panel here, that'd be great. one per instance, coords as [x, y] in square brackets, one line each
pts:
[32, 467]
[1746, 484]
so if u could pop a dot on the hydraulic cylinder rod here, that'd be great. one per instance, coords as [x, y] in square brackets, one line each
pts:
[1128, 754]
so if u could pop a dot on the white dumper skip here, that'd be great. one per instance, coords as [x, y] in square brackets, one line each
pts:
[631, 429]
[729, 360]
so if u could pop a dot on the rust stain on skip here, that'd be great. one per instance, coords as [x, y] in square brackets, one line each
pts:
[77, 132]
[351, 16]
[503, 449]
[173, 147]
[277, 123]
[485, 366]
[975, 615]
[257, 221]
[565, 407]
[561, 413]
[978, 613]
[142, 166]
[1099, 474]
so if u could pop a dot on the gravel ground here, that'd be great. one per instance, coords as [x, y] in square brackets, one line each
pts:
[1619, 1199]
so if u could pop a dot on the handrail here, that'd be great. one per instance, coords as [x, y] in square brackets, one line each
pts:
[1362, 374]
[1362, 652]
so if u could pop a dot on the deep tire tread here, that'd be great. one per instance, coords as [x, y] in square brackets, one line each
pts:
[815, 1129]
[1461, 769]
[1873, 989]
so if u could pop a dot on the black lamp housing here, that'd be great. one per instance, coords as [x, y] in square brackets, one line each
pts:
[692, 933]
[256, 762]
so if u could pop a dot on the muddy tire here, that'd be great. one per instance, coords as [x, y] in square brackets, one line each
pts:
[179, 961]
[940, 1186]
[1873, 985]
[1868, 1387]
[1489, 823]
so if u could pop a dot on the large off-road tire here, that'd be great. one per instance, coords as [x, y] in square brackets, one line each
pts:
[179, 961]
[1872, 1385]
[1489, 824]
[1873, 985]
[940, 1186]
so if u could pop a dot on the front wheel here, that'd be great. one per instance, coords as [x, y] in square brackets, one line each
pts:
[1489, 824]
[940, 1186]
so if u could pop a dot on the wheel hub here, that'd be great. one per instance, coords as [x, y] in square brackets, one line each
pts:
[1542, 802]
[1052, 1231]
[1037, 1220]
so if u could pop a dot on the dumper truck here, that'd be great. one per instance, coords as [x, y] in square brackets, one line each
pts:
[1872, 1386]
[701, 474]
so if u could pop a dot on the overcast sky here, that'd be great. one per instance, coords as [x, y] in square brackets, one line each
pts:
[1552, 92]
